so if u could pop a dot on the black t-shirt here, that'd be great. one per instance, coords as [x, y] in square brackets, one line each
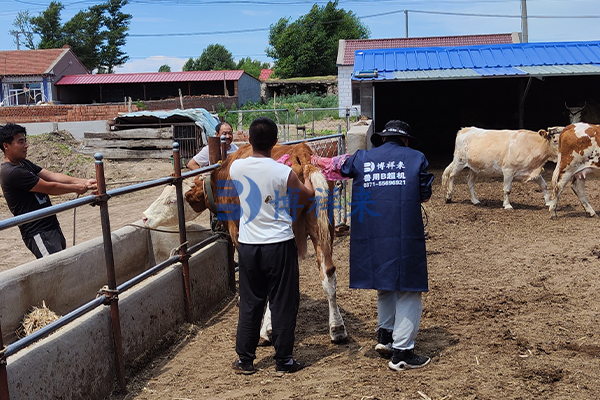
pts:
[17, 180]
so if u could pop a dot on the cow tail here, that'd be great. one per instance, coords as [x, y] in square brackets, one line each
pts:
[323, 193]
[446, 174]
[555, 175]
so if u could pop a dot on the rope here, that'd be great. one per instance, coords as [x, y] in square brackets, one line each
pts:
[164, 231]
[426, 217]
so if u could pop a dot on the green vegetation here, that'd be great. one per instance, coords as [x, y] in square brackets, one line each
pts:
[96, 35]
[291, 103]
[309, 45]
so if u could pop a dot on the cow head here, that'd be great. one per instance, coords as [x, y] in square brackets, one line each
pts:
[163, 212]
[575, 113]
[552, 135]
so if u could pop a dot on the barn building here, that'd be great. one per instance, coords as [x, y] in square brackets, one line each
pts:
[438, 90]
[349, 90]
[106, 88]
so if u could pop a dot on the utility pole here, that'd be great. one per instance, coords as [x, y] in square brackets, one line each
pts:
[406, 22]
[524, 21]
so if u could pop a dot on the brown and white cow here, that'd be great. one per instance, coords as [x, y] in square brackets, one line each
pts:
[578, 158]
[512, 154]
[163, 212]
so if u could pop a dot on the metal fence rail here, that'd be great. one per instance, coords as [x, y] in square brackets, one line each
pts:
[108, 295]
[324, 146]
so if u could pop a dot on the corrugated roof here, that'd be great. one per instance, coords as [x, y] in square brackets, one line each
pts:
[151, 77]
[350, 46]
[527, 59]
[265, 74]
[29, 62]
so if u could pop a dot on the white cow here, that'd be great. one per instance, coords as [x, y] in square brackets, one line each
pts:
[512, 154]
[578, 157]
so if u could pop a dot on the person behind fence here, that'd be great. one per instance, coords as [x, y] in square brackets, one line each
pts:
[387, 239]
[26, 187]
[268, 256]
[201, 159]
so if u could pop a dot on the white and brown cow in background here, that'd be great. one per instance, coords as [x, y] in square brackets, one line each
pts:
[578, 158]
[318, 226]
[512, 154]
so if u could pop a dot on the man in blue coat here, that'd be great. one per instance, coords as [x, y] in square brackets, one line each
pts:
[387, 239]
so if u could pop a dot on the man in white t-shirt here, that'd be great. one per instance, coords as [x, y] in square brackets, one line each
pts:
[201, 159]
[268, 256]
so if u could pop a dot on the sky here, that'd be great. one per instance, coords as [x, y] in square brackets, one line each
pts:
[170, 32]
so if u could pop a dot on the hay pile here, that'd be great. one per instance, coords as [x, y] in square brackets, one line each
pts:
[36, 319]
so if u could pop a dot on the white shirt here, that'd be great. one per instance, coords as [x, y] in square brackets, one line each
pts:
[265, 218]
[202, 157]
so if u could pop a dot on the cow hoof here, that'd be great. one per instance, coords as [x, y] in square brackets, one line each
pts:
[338, 334]
[448, 200]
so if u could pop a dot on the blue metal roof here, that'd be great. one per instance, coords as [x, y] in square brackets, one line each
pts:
[471, 62]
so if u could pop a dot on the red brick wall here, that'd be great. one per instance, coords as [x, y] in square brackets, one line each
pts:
[61, 113]
[99, 112]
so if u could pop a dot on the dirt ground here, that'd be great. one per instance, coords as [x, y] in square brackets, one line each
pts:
[512, 311]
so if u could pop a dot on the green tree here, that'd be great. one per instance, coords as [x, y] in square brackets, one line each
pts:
[117, 25]
[252, 67]
[48, 26]
[215, 57]
[83, 34]
[164, 68]
[24, 30]
[308, 46]
[96, 35]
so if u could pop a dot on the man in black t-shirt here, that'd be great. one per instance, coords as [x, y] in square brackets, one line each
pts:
[26, 187]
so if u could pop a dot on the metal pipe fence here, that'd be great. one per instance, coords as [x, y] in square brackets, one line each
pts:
[327, 146]
[322, 121]
[108, 295]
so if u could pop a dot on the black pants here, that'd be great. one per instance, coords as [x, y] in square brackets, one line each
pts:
[268, 271]
[45, 243]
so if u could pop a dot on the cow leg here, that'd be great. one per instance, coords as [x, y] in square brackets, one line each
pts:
[471, 183]
[508, 178]
[559, 182]
[448, 178]
[448, 181]
[542, 184]
[266, 328]
[323, 251]
[578, 186]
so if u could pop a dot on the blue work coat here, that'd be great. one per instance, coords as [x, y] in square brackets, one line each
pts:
[387, 239]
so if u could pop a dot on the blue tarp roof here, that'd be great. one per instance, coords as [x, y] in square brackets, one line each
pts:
[199, 116]
[470, 62]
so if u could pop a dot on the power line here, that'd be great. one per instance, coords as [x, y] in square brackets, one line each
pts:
[368, 16]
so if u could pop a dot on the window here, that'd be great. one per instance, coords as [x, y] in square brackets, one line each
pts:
[24, 93]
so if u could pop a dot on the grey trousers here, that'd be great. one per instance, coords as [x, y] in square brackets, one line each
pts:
[400, 312]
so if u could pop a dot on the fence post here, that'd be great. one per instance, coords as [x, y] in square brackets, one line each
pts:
[183, 256]
[3, 375]
[111, 293]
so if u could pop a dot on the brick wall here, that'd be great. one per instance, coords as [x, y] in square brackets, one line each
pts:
[99, 112]
[61, 113]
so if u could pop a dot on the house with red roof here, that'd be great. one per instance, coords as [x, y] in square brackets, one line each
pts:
[106, 88]
[29, 76]
[349, 91]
